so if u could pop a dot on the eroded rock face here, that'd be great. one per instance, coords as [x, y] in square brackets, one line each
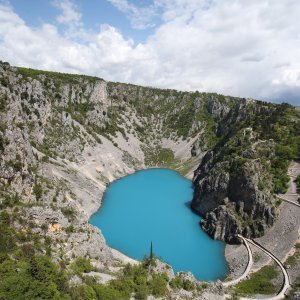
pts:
[63, 138]
[221, 224]
[89, 242]
[213, 189]
[233, 183]
[230, 200]
[217, 108]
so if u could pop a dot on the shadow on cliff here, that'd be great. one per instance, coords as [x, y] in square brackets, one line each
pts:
[188, 204]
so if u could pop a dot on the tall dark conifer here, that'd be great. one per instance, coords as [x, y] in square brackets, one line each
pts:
[151, 251]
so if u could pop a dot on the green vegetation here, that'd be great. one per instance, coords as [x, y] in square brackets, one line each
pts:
[280, 123]
[69, 213]
[256, 258]
[79, 111]
[183, 120]
[186, 166]
[57, 77]
[295, 288]
[3, 102]
[27, 274]
[258, 283]
[16, 163]
[160, 157]
[179, 283]
[9, 201]
[183, 113]
[268, 133]
[82, 265]
[237, 134]
[132, 280]
[4, 81]
[186, 114]
[24, 273]
[38, 191]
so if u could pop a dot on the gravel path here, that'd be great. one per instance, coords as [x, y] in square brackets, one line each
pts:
[248, 268]
[286, 283]
[279, 239]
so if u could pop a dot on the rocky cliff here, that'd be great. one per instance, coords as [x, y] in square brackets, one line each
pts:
[64, 137]
[236, 181]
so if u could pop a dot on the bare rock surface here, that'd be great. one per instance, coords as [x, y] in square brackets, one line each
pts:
[64, 138]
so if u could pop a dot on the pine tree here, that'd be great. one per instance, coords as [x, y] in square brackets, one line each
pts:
[151, 252]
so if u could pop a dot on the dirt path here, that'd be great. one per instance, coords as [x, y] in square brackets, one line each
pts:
[247, 270]
[279, 239]
[286, 283]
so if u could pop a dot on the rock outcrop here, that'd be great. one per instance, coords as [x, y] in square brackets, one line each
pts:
[64, 137]
[233, 188]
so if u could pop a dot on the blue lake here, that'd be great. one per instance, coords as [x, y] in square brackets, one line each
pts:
[153, 205]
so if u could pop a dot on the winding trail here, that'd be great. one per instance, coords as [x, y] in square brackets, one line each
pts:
[291, 197]
[248, 268]
[282, 197]
[286, 283]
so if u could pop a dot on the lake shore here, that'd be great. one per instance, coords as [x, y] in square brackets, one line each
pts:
[126, 221]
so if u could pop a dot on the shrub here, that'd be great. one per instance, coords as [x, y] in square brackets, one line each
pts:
[82, 265]
[10, 201]
[38, 191]
[180, 283]
[68, 212]
[259, 282]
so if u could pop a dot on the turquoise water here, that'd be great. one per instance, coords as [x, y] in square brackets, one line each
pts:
[153, 205]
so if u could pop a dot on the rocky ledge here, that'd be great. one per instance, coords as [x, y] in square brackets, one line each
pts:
[233, 194]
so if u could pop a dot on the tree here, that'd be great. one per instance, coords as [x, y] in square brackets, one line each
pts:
[151, 252]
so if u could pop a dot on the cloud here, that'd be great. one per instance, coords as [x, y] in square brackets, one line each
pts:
[287, 87]
[140, 17]
[282, 93]
[240, 48]
[69, 15]
[290, 77]
[105, 53]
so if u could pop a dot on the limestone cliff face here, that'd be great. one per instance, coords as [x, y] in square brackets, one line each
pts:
[233, 188]
[64, 137]
[231, 203]
[39, 140]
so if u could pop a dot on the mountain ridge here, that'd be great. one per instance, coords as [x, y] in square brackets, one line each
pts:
[64, 137]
